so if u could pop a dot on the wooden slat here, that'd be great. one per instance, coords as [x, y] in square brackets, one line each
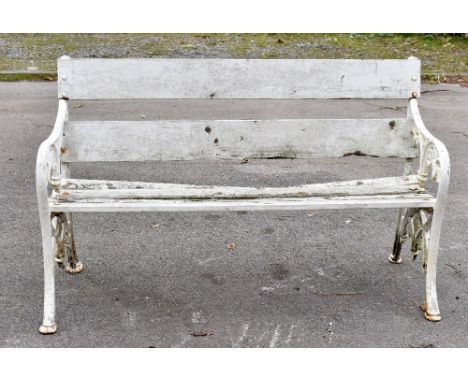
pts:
[349, 202]
[94, 141]
[236, 78]
[79, 189]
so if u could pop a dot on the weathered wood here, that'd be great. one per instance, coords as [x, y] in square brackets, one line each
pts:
[347, 202]
[93, 141]
[236, 78]
[78, 189]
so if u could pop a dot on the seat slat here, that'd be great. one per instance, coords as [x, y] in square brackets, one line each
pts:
[94, 141]
[347, 202]
[83, 189]
[83, 78]
[94, 195]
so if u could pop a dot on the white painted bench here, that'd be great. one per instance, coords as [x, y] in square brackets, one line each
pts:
[59, 194]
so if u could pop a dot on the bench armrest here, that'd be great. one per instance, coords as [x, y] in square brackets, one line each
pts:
[48, 164]
[433, 154]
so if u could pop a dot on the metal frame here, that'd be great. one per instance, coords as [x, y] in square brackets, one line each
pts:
[423, 225]
[57, 230]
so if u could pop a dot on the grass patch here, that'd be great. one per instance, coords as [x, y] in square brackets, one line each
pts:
[11, 77]
[442, 55]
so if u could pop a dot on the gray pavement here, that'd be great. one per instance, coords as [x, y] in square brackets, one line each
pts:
[295, 279]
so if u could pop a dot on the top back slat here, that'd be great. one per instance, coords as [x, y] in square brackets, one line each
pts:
[236, 78]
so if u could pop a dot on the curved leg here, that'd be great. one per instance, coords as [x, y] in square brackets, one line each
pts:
[48, 324]
[431, 306]
[424, 229]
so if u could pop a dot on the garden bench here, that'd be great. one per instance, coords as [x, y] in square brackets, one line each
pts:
[60, 195]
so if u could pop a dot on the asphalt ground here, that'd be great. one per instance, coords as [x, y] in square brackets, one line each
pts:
[294, 279]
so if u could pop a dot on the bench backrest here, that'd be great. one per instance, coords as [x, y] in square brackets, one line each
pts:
[236, 78]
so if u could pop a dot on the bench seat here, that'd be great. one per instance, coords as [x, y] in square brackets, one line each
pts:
[84, 195]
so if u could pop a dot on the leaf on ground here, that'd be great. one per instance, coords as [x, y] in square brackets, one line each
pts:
[155, 225]
[231, 246]
[423, 346]
[202, 333]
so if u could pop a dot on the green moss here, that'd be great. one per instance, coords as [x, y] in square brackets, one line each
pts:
[10, 77]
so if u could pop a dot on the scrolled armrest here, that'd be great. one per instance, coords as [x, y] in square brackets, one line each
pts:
[432, 153]
[48, 164]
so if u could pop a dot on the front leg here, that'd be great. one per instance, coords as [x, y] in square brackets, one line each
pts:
[48, 323]
[431, 305]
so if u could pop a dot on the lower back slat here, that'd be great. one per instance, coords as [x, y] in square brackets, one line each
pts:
[96, 141]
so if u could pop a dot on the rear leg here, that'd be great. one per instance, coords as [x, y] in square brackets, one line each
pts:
[400, 236]
[73, 265]
[65, 248]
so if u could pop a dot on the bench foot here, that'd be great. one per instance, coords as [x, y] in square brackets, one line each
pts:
[48, 329]
[394, 259]
[78, 268]
[430, 317]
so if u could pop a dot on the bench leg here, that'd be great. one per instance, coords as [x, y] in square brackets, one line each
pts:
[395, 257]
[431, 306]
[48, 324]
[74, 266]
[64, 243]
[423, 227]
[400, 234]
